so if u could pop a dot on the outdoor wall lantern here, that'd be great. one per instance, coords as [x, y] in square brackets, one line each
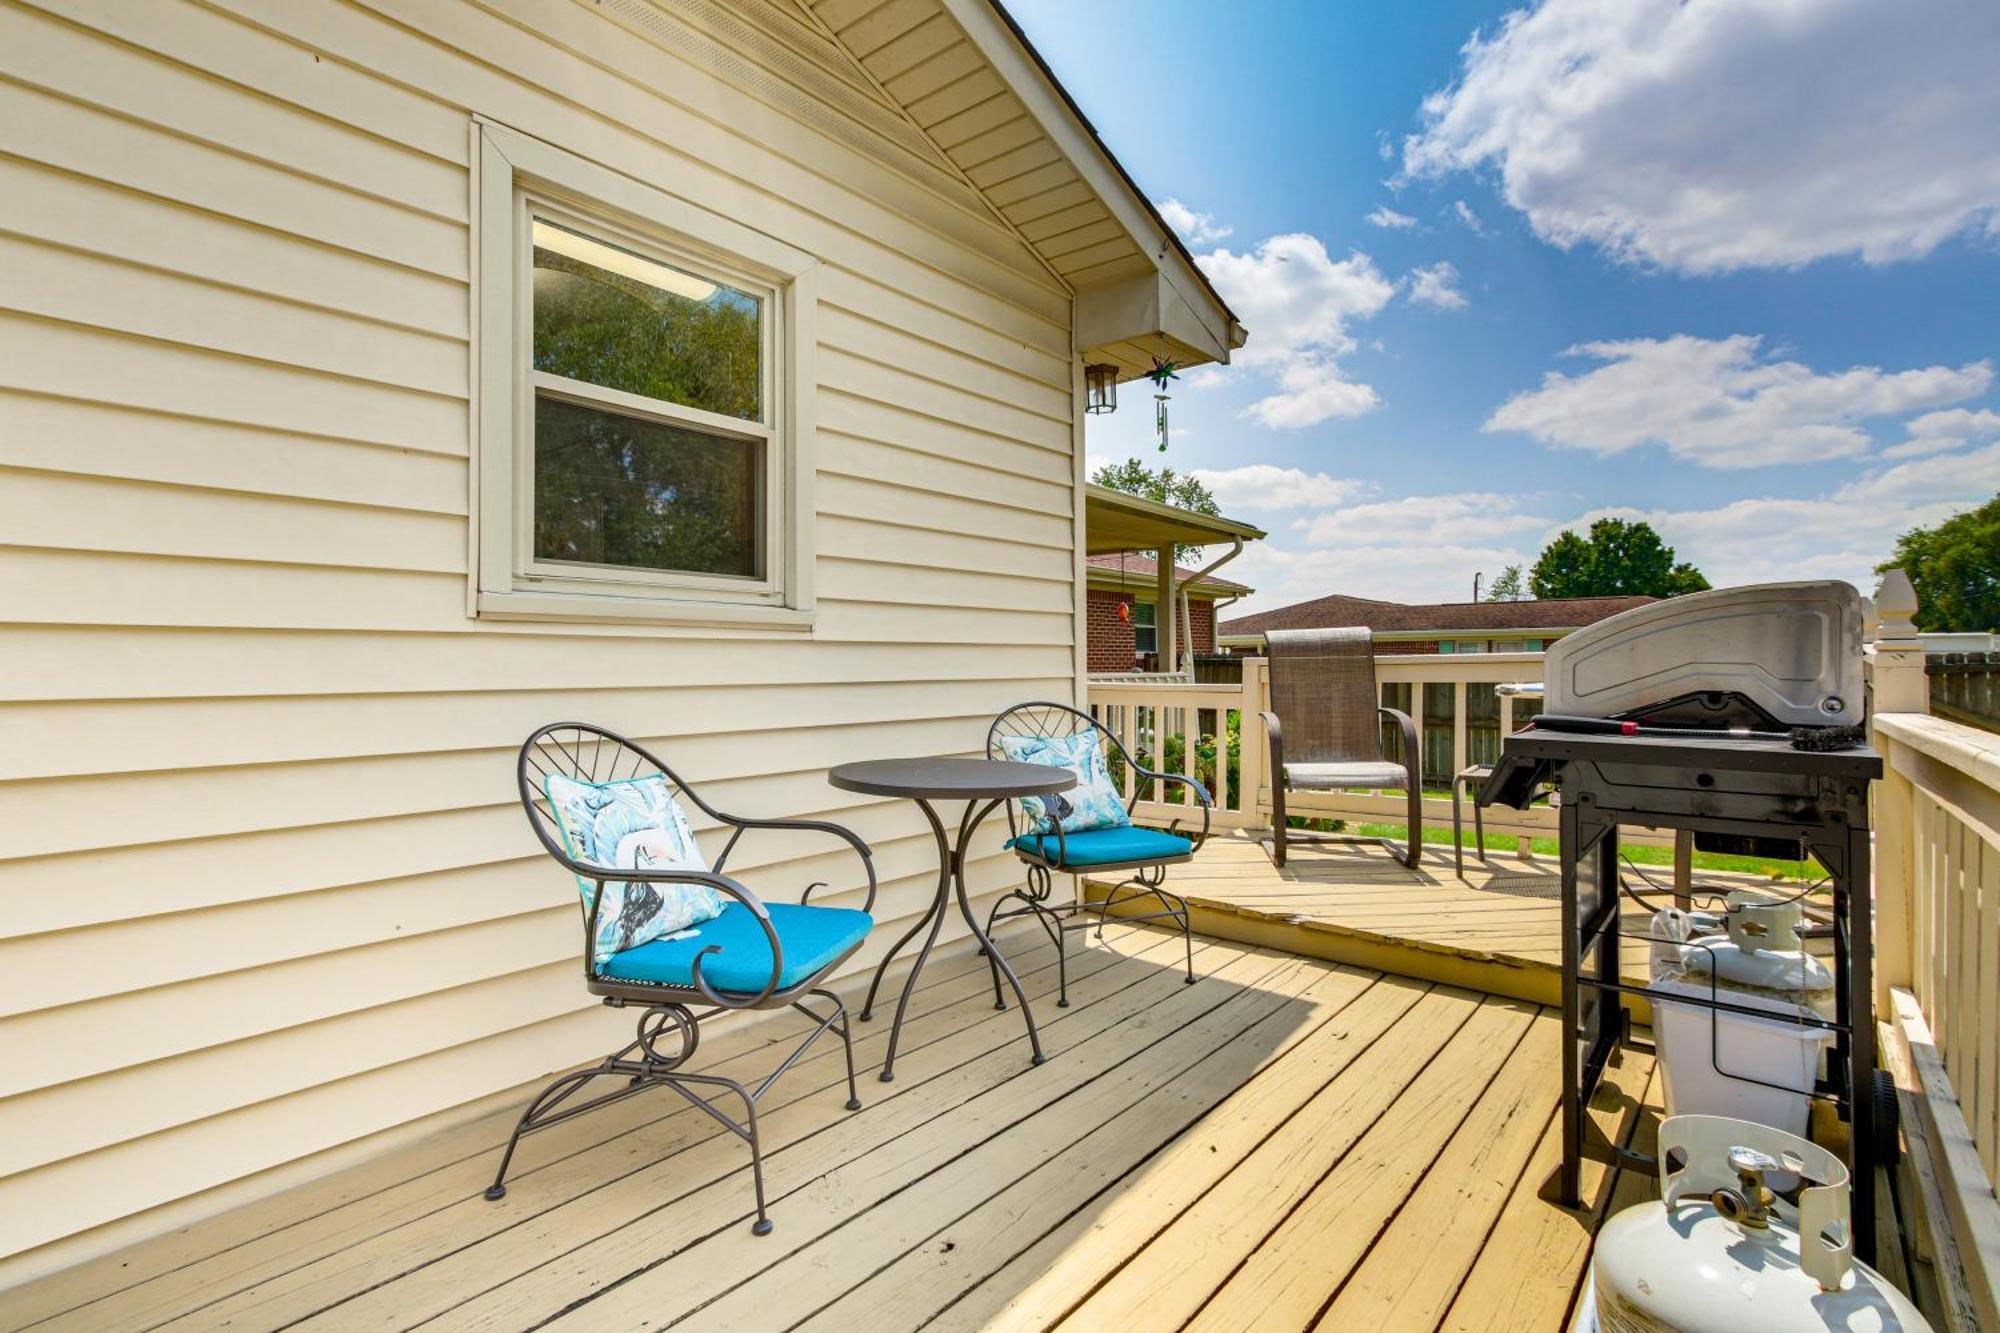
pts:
[1100, 387]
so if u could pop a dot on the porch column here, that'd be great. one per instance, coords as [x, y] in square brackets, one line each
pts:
[1163, 609]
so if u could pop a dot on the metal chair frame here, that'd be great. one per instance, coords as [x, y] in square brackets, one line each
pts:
[590, 753]
[1346, 658]
[1046, 719]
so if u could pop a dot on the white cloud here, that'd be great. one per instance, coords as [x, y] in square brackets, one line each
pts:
[1386, 571]
[1417, 548]
[1843, 534]
[1297, 301]
[1267, 486]
[1194, 228]
[1707, 135]
[1469, 219]
[1389, 217]
[1426, 548]
[1715, 403]
[1312, 388]
[1437, 286]
[1940, 432]
[1423, 520]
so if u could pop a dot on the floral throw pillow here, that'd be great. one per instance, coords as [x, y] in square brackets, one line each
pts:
[634, 824]
[1092, 803]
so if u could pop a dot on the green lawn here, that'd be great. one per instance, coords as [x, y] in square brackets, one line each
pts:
[1645, 856]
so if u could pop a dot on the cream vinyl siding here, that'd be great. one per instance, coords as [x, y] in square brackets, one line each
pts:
[266, 898]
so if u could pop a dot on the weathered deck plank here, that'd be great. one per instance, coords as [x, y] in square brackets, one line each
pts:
[1287, 1141]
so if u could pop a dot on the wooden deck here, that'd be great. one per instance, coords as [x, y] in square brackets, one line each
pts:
[1496, 930]
[1289, 1143]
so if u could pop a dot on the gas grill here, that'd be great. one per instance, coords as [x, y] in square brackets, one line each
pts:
[1733, 714]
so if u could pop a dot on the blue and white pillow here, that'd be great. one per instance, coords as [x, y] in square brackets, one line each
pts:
[1093, 803]
[632, 824]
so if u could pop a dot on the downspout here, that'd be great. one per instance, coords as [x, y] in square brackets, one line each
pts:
[1202, 573]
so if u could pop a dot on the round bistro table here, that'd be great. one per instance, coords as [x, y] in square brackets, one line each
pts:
[983, 784]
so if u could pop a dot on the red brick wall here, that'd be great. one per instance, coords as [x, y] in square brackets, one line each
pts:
[1110, 641]
[1384, 647]
[1110, 638]
[1201, 615]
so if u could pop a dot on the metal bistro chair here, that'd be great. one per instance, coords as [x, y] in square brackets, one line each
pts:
[1143, 853]
[1325, 732]
[753, 956]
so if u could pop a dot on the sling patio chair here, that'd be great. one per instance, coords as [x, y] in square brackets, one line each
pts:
[670, 934]
[1087, 829]
[1325, 733]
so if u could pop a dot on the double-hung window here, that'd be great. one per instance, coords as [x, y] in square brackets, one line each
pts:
[1145, 630]
[644, 443]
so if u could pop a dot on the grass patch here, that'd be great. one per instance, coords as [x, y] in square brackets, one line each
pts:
[1645, 856]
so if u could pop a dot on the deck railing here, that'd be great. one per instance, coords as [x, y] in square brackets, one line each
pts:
[1937, 952]
[1454, 699]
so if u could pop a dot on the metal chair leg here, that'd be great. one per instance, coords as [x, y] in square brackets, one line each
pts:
[746, 1131]
[1458, 828]
[1187, 928]
[847, 1041]
[546, 1099]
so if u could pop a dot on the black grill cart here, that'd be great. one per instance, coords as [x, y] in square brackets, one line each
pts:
[1734, 793]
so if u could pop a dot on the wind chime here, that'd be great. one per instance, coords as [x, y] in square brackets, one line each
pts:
[1162, 372]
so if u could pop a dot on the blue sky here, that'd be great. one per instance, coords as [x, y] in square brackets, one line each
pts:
[1758, 243]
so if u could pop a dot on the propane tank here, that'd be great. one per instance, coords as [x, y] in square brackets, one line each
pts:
[1722, 1252]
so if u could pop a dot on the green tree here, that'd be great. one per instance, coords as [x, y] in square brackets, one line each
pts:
[1165, 486]
[1509, 586]
[1955, 568]
[1618, 558]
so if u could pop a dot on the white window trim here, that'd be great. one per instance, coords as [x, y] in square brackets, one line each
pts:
[512, 170]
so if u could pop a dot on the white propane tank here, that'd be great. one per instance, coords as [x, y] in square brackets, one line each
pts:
[1720, 1253]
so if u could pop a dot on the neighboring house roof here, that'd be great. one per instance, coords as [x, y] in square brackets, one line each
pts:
[1143, 572]
[1443, 618]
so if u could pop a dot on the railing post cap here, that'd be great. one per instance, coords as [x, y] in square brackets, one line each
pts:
[1895, 610]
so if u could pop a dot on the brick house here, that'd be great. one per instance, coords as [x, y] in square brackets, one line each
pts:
[1122, 606]
[1437, 627]
[1125, 537]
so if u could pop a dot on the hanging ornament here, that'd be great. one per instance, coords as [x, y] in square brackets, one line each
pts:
[1160, 374]
[1125, 612]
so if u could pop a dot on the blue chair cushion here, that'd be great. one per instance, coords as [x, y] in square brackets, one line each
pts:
[1106, 846]
[810, 937]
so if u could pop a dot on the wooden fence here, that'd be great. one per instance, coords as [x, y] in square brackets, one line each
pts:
[1965, 687]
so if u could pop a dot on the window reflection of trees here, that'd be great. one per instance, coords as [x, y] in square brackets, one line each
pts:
[613, 490]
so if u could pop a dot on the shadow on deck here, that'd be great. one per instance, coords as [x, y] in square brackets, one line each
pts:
[1496, 930]
[1290, 1142]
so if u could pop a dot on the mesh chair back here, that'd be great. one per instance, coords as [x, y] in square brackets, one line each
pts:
[1323, 691]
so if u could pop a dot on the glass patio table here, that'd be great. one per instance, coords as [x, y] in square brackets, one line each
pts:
[983, 784]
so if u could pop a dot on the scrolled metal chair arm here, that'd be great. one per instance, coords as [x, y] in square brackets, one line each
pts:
[743, 824]
[1202, 798]
[722, 884]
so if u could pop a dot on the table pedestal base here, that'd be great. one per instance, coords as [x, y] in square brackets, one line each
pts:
[951, 875]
